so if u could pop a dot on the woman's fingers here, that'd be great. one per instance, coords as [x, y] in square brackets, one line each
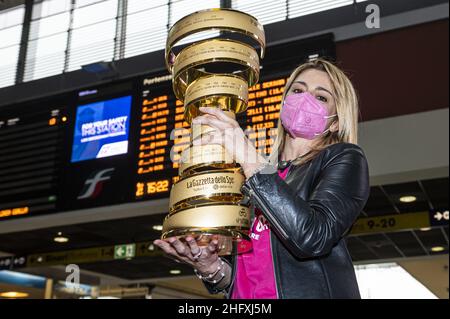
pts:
[213, 246]
[173, 248]
[219, 113]
[209, 138]
[181, 248]
[165, 246]
[187, 253]
[195, 250]
[211, 121]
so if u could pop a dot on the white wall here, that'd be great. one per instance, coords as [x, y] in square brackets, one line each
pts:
[407, 148]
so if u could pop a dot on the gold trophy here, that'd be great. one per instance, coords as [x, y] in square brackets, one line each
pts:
[207, 201]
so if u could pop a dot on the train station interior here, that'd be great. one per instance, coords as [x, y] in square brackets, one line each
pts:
[64, 213]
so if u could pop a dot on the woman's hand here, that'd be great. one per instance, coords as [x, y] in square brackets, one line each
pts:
[204, 259]
[229, 134]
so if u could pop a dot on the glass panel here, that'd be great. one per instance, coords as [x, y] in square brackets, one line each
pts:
[8, 56]
[82, 3]
[90, 14]
[91, 44]
[146, 31]
[8, 63]
[12, 17]
[93, 34]
[181, 8]
[49, 7]
[298, 8]
[266, 11]
[139, 5]
[45, 56]
[10, 36]
[50, 25]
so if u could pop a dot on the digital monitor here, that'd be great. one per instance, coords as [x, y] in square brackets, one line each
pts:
[101, 129]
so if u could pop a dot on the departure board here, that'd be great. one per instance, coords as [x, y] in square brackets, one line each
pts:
[30, 158]
[163, 133]
[120, 141]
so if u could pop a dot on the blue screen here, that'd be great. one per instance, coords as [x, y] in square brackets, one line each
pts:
[101, 129]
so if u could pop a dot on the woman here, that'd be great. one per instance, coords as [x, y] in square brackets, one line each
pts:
[304, 206]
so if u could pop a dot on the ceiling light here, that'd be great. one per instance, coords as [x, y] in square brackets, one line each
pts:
[158, 227]
[60, 238]
[14, 294]
[408, 199]
[175, 272]
[437, 249]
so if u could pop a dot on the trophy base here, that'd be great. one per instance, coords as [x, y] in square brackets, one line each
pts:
[225, 236]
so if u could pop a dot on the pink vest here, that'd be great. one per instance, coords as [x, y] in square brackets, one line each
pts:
[255, 276]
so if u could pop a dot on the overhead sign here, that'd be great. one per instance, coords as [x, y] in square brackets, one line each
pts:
[19, 261]
[398, 222]
[78, 256]
[439, 218]
[5, 263]
[91, 255]
[124, 251]
[11, 262]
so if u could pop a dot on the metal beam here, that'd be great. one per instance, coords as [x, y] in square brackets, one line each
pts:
[121, 30]
[69, 38]
[24, 41]
[225, 4]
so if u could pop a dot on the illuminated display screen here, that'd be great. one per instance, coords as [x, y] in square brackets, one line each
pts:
[101, 129]
[163, 133]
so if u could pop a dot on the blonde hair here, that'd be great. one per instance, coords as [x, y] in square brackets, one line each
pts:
[346, 102]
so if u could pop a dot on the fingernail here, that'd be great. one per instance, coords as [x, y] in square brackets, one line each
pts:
[188, 238]
[215, 242]
[171, 240]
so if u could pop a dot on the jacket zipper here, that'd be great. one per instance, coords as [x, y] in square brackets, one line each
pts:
[264, 206]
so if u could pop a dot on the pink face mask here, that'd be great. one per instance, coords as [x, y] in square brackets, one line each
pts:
[304, 116]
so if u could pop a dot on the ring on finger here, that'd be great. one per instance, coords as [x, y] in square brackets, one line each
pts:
[197, 255]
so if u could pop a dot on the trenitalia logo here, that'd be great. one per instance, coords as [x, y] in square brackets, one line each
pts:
[94, 184]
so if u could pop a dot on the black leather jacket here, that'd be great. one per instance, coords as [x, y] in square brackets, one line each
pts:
[309, 213]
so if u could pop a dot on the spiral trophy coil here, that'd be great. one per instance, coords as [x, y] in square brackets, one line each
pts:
[216, 72]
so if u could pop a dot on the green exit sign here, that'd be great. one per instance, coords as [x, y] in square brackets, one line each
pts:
[124, 251]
